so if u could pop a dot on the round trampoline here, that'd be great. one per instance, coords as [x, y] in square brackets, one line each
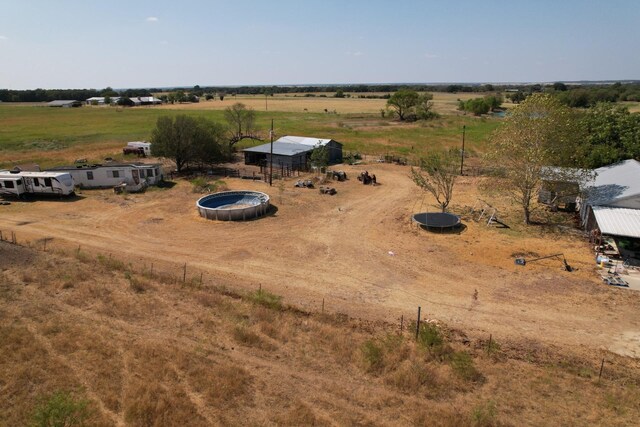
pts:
[233, 205]
[437, 221]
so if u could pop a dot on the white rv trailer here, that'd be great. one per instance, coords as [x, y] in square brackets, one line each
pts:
[19, 183]
[146, 146]
[135, 176]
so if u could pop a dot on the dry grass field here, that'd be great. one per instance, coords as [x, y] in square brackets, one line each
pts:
[147, 349]
[444, 103]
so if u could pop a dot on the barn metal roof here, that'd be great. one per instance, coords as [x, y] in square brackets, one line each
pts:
[615, 182]
[290, 145]
[280, 148]
[61, 102]
[311, 142]
[618, 221]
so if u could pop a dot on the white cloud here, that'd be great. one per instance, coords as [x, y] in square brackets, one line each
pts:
[358, 53]
[430, 56]
[152, 19]
[164, 42]
[4, 38]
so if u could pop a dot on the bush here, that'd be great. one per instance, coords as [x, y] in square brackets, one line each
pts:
[373, 356]
[266, 299]
[61, 409]
[429, 336]
[484, 415]
[462, 365]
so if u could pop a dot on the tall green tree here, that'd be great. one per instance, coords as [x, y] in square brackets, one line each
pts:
[611, 134]
[186, 139]
[406, 102]
[437, 175]
[539, 132]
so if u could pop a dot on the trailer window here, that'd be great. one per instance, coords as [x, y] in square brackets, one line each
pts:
[150, 172]
[47, 182]
[89, 175]
[36, 182]
[8, 184]
[116, 174]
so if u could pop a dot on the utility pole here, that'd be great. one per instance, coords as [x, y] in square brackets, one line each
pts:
[271, 156]
[462, 153]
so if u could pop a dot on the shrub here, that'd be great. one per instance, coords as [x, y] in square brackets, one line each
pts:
[429, 335]
[266, 299]
[462, 365]
[373, 356]
[484, 415]
[61, 409]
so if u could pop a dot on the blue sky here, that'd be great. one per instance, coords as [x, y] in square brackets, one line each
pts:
[94, 44]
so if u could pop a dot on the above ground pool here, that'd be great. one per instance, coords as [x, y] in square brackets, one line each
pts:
[437, 221]
[233, 205]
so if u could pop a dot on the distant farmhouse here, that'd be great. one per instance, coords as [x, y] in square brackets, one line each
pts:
[292, 152]
[64, 103]
[101, 100]
[145, 100]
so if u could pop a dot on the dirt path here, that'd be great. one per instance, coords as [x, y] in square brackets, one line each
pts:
[358, 251]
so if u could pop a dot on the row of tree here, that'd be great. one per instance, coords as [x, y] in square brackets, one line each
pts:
[578, 95]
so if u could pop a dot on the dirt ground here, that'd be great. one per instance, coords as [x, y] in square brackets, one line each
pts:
[359, 252]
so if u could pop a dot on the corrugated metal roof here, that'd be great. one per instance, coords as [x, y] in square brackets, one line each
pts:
[618, 221]
[61, 102]
[311, 142]
[280, 148]
[614, 182]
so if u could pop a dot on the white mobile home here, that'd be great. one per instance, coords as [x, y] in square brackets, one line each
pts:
[136, 176]
[18, 183]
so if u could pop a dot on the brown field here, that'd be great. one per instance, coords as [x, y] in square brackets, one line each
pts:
[444, 103]
[148, 349]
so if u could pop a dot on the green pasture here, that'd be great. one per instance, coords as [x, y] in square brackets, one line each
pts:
[30, 132]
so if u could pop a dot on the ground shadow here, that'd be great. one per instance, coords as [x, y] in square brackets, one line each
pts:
[459, 229]
[31, 198]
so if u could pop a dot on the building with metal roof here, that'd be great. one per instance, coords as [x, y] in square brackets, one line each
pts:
[291, 152]
[611, 204]
[64, 103]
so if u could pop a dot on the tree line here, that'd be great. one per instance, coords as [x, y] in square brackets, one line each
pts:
[573, 95]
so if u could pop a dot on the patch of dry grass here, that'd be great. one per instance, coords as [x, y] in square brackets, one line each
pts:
[172, 355]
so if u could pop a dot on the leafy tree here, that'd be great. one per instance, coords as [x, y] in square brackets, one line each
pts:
[339, 94]
[611, 134]
[437, 175]
[61, 409]
[517, 97]
[187, 139]
[403, 101]
[221, 95]
[559, 86]
[241, 122]
[539, 132]
[320, 156]
[107, 100]
[406, 101]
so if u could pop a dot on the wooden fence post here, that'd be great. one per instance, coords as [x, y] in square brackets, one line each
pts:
[418, 323]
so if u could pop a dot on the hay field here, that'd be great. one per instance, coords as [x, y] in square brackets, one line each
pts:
[145, 348]
[444, 103]
[51, 137]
